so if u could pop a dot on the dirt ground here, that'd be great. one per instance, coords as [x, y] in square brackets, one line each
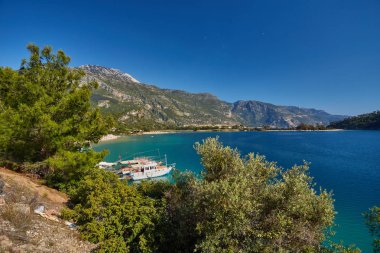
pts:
[23, 230]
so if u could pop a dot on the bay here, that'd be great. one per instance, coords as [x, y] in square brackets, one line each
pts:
[346, 162]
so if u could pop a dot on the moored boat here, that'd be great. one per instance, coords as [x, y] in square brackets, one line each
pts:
[147, 168]
[139, 168]
[106, 165]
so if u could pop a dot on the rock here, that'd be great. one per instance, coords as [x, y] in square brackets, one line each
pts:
[40, 209]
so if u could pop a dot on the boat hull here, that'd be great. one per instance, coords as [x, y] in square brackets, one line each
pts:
[150, 174]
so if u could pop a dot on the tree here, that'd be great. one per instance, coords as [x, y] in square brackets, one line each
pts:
[113, 214]
[368, 121]
[247, 204]
[45, 109]
[373, 223]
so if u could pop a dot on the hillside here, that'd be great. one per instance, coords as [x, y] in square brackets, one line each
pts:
[23, 230]
[255, 113]
[369, 121]
[134, 102]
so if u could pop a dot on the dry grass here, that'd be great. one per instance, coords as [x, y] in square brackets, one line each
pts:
[20, 220]
[17, 211]
[59, 199]
[23, 231]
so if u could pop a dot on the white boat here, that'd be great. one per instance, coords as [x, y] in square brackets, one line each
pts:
[105, 165]
[147, 168]
[138, 168]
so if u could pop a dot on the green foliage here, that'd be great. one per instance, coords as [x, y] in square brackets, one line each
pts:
[154, 189]
[246, 204]
[373, 223]
[339, 247]
[178, 220]
[303, 126]
[47, 123]
[67, 168]
[242, 204]
[45, 108]
[113, 214]
[369, 121]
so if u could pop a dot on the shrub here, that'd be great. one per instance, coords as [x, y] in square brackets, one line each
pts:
[113, 214]
[245, 204]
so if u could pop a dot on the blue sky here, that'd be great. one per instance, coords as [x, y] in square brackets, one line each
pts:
[311, 53]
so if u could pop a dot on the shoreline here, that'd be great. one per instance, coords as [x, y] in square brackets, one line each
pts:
[235, 130]
[110, 137]
[164, 132]
[296, 130]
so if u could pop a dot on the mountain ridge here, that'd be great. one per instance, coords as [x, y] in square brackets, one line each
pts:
[367, 121]
[134, 102]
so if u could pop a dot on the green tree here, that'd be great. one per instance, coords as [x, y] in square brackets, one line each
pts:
[246, 204]
[47, 124]
[45, 109]
[176, 226]
[373, 223]
[113, 214]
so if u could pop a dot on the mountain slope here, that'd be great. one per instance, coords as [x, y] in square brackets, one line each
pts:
[133, 102]
[255, 113]
[369, 121]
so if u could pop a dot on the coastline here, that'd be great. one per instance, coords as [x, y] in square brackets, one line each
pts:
[235, 130]
[295, 130]
[165, 132]
[110, 137]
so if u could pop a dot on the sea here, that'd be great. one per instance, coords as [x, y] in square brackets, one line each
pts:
[344, 162]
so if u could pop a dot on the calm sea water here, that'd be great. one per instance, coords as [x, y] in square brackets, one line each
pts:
[346, 162]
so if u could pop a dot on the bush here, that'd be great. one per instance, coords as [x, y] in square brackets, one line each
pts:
[67, 168]
[373, 223]
[113, 214]
[245, 204]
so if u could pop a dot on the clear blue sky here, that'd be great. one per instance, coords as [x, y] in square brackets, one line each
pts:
[311, 53]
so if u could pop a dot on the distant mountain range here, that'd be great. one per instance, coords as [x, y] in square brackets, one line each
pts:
[133, 102]
[368, 121]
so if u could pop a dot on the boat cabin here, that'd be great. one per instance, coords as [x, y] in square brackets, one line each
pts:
[142, 167]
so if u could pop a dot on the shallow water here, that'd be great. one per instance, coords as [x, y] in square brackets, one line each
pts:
[346, 162]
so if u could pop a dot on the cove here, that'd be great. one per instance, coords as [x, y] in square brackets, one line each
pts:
[345, 162]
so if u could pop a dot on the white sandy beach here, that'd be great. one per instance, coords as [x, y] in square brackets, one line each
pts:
[109, 137]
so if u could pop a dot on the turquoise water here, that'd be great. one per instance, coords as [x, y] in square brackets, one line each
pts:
[346, 162]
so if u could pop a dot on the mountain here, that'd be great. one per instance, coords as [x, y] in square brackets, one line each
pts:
[256, 113]
[134, 102]
[369, 121]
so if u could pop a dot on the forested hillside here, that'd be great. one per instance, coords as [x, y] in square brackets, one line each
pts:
[369, 121]
[137, 104]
